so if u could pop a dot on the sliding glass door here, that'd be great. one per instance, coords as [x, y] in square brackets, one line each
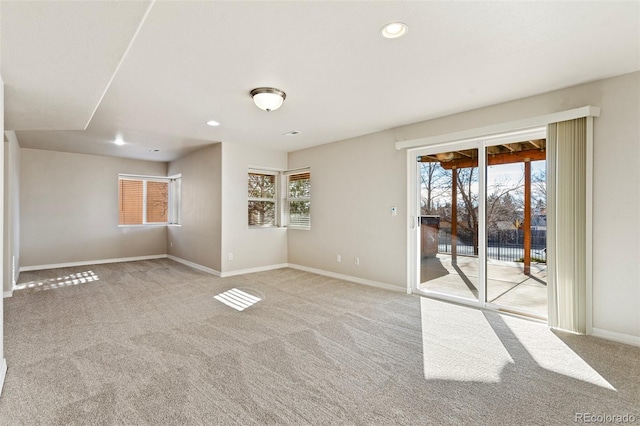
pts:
[449, 223]
[480, 223]
[516, 227]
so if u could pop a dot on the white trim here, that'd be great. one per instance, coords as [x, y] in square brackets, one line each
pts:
[542, 120]
[253, 270]
[412, 220]
[194, 265]
[347, 278]
[3, 373]
[616, 337]
[91, 262]
[7, 294]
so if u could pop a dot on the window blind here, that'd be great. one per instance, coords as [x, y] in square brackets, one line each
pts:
[157, 202]
[298, 209]
[130, 202]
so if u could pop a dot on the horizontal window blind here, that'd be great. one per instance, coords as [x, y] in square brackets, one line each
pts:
[130, 202]
[157, 202]
[298, 208]
[148, 200]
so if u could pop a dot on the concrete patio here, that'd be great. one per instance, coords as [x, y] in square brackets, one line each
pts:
[507, 285]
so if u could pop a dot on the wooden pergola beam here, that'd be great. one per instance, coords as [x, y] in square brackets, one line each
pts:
[493, 159]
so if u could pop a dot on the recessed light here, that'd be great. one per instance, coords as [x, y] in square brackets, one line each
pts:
[394, 30]
[119, 141]
[293, 132]
[212, 123]
[154, 150]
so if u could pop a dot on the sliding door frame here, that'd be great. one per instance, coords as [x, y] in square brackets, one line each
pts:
[441, 142]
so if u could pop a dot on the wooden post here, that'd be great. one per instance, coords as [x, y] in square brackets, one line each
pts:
[454, 215]
[527, 216]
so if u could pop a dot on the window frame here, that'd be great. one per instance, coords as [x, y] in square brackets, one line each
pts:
[288, 199]
[277, 222]
[174, 207]
[281, 198]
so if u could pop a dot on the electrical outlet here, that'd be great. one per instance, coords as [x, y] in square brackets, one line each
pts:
[230, 256]
[357, 261]
[339, 259]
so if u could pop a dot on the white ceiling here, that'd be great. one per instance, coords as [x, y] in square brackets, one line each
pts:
[77, 74]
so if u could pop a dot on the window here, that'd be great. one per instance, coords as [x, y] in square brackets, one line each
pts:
[298, 206]
[145, 200]
[265, 195]
[262, 191]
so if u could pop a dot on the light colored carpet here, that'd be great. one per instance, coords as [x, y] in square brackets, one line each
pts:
[147, 343]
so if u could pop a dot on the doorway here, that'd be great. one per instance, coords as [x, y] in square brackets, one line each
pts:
[480, 234]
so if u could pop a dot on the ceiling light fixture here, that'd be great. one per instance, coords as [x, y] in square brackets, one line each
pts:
[212, 123]
[119, 141]
[394, 30]
[268, 98]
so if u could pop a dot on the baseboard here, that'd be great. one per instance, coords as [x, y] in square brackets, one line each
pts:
[349, 278]
[7, 294]
[194, 265]
[91, 262]
[253, 270]
[616, 337]
[3, 374]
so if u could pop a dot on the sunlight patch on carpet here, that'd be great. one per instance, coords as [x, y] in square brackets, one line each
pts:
[59, 282]
[460, 345]
[237, 299]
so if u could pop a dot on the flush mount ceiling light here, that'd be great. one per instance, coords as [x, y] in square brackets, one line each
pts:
[394, 30]
[212, 123]
[268, 98]
[119, 141]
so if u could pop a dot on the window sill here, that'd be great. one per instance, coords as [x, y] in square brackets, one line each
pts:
[145, 225]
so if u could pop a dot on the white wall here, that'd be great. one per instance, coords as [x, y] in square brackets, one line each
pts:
[11, 213]
[340, 218]
[616, 210]
[198, 240]
[69, 209]
[354, 184]
[251, 248]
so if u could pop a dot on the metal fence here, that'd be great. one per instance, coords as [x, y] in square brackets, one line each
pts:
[503, 244]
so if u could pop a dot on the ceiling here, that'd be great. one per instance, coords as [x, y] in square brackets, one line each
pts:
[79, 74]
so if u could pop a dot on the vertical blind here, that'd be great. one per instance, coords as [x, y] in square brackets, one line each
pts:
[566, 224]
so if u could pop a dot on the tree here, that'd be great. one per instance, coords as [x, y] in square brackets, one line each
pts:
[434, 182]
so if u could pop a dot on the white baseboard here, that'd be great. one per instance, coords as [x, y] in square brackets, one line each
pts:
[616, 337]
[253, 270]
[3, 374]
[7, 294]
[91, 262]
[194, 265]
[349, 278]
